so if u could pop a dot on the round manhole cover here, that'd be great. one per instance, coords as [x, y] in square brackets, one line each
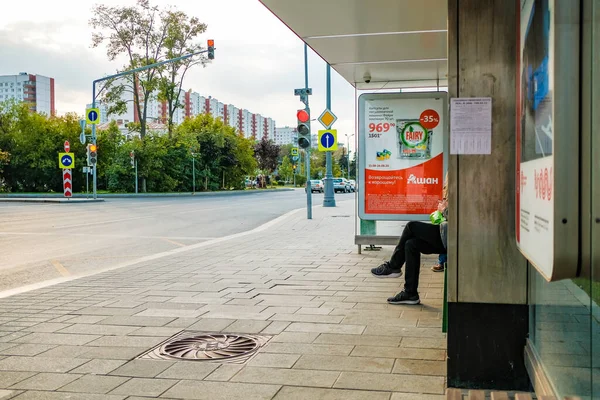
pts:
[210, 347]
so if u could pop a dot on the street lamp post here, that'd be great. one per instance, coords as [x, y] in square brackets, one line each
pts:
[348, 159]
[129, 72]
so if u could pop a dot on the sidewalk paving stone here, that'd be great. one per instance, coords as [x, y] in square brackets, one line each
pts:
[9, 378]
[98, 367]
[36, 395]
[26, 349]
[274, 360]
[303, 393]
[286, 376]
[94, 384]
[340, 363]
[221, 391]
[46, 381]
[40, 364]
[419, 367]
[194, 370]
[225, 372]
[144, 387]
[334, 335]
[142, 368]
[397, 383]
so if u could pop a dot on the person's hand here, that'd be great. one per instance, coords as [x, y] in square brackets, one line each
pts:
[442, 205]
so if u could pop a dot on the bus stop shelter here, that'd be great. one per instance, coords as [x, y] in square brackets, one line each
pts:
[471, 47]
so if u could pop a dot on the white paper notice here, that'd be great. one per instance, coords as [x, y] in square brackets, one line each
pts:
[471, 125]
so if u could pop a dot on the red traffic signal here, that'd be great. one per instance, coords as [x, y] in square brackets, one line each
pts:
[210, 43]
[302, 116]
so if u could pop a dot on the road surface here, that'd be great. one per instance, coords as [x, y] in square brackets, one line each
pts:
[43, 241]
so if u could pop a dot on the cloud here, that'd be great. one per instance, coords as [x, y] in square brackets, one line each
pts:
[258, 60]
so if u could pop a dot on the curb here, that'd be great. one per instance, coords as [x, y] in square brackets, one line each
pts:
[48, 200]
[54, 197]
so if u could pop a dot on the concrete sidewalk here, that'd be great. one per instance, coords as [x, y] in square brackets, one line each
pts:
[298, 284]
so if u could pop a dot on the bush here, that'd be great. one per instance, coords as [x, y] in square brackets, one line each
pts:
[281, 183]
[300, 180]
[30, 143]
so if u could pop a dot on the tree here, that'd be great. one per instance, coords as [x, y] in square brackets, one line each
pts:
[285, 169]
[135, 32]
[182, 31]
[223, 158]
[146, 35]
[353, 167]
[267, 155]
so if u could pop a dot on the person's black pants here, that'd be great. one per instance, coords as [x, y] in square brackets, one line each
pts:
[417, 238]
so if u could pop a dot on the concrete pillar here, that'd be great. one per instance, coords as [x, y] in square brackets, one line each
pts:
[487, 276]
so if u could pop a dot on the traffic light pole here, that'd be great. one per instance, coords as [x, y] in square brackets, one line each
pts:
[329, 197]
[133, 71]
[94, 170]
[307, 152]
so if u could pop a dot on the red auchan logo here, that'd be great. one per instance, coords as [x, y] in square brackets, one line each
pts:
[412, 179]
[543, 183]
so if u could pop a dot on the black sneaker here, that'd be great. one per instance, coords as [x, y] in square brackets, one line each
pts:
[386, 271]
[405, 298]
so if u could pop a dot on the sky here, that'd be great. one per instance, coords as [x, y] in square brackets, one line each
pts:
[258, 60]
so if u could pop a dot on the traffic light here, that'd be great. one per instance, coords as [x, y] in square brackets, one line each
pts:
[92, 153]
[303, 117]
[211, 49]
[132, 157]
[294, 167]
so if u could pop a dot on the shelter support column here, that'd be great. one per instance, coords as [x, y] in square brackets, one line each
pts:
[487, 276]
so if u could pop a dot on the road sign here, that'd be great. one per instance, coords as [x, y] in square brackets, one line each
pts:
[295, 158]
[92, 116]
[82, 123]
[67, 146]
[66, 160]
[67, 183]
[328, 140]
[327, 119]
[294, 151]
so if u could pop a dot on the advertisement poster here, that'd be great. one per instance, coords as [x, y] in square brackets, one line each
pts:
[401, 155]
[535, 155]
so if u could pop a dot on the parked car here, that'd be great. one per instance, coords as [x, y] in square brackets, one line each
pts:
[341, 185]
[352, 185]
[316, 185]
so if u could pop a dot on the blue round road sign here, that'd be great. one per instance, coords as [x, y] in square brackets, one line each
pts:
[66, 160]
[327, 140]
[93, 115]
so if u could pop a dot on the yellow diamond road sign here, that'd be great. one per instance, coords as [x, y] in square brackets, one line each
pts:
[327, 118]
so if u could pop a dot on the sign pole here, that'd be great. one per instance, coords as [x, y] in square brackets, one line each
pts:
[136, 177]
[307, 152]
[66, 161]
[329, 197]
[193, 174]
[87, 182]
